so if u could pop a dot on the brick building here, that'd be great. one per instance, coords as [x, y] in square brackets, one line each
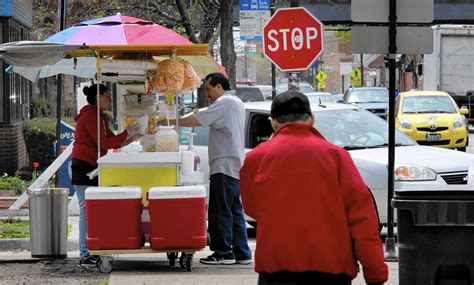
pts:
[16, 18]
[337, 58]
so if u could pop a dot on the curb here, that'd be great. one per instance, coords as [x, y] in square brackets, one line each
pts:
[24, 244]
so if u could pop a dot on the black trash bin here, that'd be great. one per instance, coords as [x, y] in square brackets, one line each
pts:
[435, 234]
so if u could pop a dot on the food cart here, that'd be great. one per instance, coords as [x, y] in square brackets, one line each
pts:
[134, 69]
[133, 173]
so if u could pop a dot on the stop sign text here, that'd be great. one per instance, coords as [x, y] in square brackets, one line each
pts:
[297, 38]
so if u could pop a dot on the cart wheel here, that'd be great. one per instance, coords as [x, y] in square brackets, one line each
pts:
[182, 261]
[172, 258]
[104, 264]
[189, 262]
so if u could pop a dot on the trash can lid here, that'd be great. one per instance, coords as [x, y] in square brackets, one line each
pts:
[48, 191]
[435, 192]
[177, 192]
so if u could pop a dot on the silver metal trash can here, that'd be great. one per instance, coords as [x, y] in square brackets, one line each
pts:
[48, 222]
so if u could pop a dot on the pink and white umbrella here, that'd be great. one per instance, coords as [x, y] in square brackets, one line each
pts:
[118, 30]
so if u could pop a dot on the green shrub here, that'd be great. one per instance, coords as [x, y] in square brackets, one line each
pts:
[12, 182]
[40, 108]
[40, 135]
[16, 228]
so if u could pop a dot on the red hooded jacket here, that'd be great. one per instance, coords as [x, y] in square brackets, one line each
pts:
[313, 209]
[85, 137]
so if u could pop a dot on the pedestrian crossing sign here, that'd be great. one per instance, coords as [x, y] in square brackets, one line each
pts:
[321, 76]
[356, 77]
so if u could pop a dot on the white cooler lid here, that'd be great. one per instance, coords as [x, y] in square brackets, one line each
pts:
[177, 192]
[127, 192]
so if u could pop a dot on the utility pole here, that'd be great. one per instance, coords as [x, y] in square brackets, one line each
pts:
[362, 69]
[295, 3]
[390, 253]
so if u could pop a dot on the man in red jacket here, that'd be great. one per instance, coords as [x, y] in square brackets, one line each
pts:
[316, 217]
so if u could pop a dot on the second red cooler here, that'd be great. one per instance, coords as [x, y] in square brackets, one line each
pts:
[113, 217]
[178, 217]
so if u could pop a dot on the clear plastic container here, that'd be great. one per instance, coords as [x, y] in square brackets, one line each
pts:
[166, 139]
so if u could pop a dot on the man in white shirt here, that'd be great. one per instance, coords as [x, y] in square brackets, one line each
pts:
[226, 118]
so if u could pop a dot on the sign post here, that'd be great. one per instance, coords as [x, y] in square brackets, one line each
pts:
[404, 40]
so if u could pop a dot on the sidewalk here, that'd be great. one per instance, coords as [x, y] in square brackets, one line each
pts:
[145, 268]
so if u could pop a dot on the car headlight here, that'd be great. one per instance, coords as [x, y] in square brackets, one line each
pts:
[404, 123]
[414, 173]
[458, 122]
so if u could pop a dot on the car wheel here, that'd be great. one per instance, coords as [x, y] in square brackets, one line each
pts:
[462, 149]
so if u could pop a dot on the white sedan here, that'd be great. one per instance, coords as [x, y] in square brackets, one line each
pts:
[365, 136]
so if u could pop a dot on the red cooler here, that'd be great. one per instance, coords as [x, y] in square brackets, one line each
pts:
[178, 217]
[113, 217]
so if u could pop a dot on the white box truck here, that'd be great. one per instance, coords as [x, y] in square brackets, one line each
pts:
[450, 67]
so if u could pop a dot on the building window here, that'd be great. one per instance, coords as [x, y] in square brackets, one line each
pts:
[18, 88]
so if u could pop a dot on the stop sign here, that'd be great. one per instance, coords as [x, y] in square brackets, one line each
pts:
[293, 38]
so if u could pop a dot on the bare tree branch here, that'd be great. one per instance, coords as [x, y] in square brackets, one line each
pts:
[185, 21]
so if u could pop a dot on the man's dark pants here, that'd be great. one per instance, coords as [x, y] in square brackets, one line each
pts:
[227, 227]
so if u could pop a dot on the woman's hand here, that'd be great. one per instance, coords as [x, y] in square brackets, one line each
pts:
[134, 131]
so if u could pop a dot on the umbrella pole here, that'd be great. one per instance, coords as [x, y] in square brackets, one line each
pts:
[97, 99]
[59, 96]
[58, 122]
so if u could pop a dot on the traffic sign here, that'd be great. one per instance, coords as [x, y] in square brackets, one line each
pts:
[321, 85]
[253, 15]
[374, 40]
[356, 77]
[293, 39]
[356, 73]
[408, 11]
[321, 76]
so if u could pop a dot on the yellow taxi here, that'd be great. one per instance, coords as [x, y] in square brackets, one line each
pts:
[432, 118]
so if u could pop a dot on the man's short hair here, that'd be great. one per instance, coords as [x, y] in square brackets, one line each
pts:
[290, 106]
[218, 78]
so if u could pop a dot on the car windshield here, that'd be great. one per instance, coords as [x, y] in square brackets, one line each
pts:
[356, 129]
[249, 94]
[368, 96]
[318, 99]
[428, 104]
[303, 88]
[267, 93]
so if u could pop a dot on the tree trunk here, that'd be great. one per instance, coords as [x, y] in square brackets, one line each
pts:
[228, 56]
[183, 11]
[203, 101]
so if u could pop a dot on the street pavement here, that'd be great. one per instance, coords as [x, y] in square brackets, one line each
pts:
[134, 269]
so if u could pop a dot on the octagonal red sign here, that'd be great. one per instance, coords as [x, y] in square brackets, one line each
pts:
[293, 38]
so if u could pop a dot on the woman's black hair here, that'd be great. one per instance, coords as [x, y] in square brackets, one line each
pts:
[91, 92]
